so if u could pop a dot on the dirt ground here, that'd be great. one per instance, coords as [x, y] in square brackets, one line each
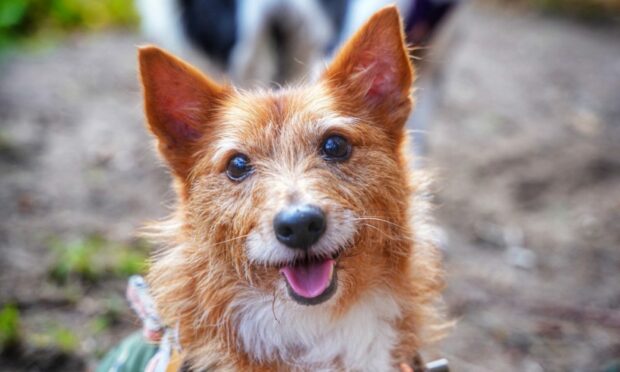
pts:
[524, 139]
[527, 148]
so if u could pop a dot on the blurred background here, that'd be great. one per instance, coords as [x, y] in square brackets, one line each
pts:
[518, 117]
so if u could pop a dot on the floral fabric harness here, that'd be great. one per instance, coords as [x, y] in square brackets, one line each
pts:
[157, 348]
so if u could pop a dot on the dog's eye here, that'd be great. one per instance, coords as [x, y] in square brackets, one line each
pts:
[336, 148]
[239, 167]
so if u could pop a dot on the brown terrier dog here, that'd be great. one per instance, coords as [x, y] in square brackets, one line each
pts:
[301, 237]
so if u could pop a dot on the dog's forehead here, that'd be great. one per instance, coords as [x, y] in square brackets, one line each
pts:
[277, 110]
[257, 121]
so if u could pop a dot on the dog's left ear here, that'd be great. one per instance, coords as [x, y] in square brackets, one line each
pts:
[373, 68]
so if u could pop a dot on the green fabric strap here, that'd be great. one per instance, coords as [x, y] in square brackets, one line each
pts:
[131, 355]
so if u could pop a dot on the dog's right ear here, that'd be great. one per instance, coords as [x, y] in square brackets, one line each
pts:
[179, 102]
[373, 70]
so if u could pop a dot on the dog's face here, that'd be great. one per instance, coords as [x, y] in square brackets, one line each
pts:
[296, 191]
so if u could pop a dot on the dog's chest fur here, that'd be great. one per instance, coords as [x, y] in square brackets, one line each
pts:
[307, 338]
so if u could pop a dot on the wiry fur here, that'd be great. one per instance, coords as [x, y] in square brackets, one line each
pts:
[212, 279]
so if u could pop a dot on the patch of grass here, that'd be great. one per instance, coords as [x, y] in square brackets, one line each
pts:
[94, 257]
[9, 327]
[113, 308]
[129, 262]
[588, 9]
[65, 339]
[77, 258]
[55, 336]
[8, 149]
[72, 292]
[98, 325]
[585, 10]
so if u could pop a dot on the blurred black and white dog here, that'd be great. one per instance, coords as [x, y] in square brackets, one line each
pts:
[265, 42]
[257, 41]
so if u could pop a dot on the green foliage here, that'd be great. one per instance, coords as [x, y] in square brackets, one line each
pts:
[129, 262]
[9, 326]
[23, 19]
[69, 14]
[12, 13]
[93, 257]
[589, 9]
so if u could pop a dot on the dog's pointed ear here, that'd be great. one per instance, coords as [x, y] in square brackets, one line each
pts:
[374, 66]
[179, 102]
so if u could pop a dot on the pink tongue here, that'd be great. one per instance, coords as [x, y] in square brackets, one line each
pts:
[309, 280]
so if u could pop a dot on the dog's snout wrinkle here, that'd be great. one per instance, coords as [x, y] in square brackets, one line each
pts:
[299, 226]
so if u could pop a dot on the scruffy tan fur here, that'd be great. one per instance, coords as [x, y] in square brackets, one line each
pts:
[365, 96]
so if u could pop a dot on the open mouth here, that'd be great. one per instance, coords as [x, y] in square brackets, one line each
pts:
[311, 281]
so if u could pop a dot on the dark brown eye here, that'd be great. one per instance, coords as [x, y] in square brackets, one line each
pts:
[336, 148]
[239, 167]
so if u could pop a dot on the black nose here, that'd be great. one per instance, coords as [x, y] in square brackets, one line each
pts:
[299, 226]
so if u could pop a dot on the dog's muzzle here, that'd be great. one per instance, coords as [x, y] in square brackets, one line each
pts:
[311, 280]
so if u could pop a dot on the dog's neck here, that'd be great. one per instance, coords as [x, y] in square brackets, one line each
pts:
[306, 337]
